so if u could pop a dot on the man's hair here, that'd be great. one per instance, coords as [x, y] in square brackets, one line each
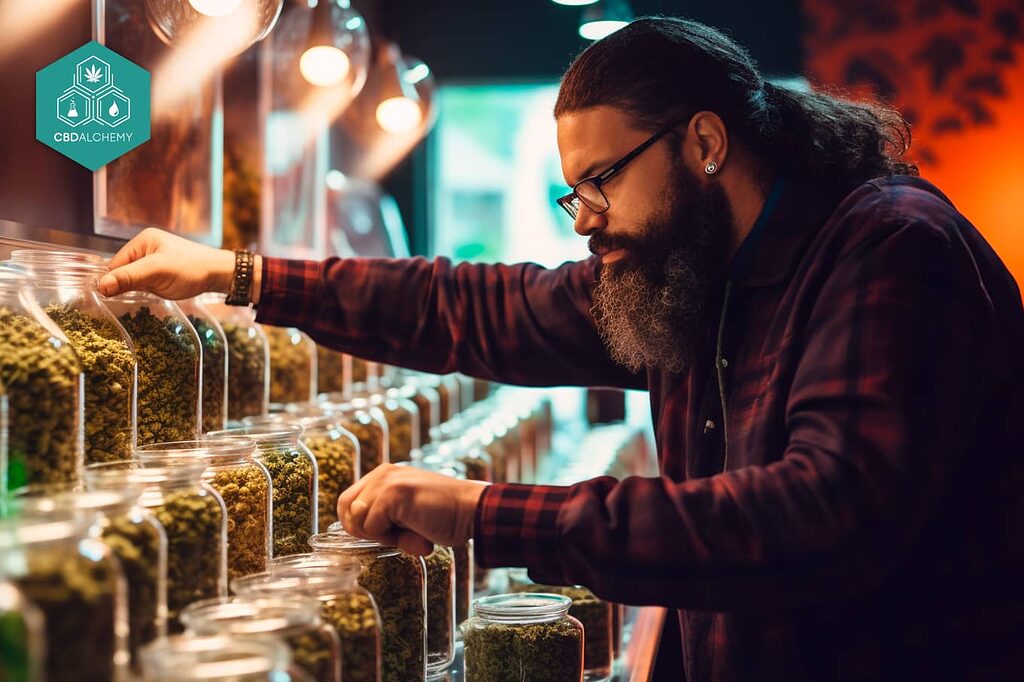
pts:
[659, 68]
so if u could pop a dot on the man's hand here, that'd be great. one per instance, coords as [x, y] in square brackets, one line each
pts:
[169, 266]
[410, 508]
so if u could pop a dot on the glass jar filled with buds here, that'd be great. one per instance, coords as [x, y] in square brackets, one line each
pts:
[366, 422]
[397, 582]
[403, 419]
[293, 472]
[293, 367]
[44, 385]
[192, 514]
[344, 605]
[333, 370]
[365, 375]
[220, 658]
[215, 363]
[427, 400]
[243, 482]
[248, 358]
[77, 584]
[515, 637]
[22, 636]
[295, 620]
[64, 284]
[134, 536]
[170, 366]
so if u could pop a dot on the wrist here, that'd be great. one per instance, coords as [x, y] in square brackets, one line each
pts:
[257, 279]
[222, 271]
[471, 493]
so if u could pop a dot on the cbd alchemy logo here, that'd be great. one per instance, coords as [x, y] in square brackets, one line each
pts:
[92, 105]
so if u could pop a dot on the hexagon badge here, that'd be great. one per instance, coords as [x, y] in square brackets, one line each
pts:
[92, 105]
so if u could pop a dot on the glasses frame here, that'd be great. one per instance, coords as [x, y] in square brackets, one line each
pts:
[571, 201]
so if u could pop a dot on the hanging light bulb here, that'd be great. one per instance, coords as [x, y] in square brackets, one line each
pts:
[235, 23]
[573, 3]
[604, 17]
[336, 30]
[215, 8]
[398, 110]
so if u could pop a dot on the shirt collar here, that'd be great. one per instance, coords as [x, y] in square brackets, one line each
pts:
[744, 256]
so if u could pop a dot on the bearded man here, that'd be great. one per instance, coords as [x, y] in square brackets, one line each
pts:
[833, 355]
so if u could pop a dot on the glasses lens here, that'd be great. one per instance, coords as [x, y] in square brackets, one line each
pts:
[591, 195]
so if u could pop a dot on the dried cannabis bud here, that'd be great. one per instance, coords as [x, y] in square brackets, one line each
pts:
[292, 478]
[246, 494]
[396, 581]
[550, 651]
[42, 387]
[291, 366]
[247, 371]
[463, 581]
[595, 615]
[426, 408]
[370, 435]
[400, 431]
[137, 547]
[77, 598]
[214, 417]
[440, 604]
[330, 370]
[354, 617]
[313, 651]
[168, 377]
[360, 370]
[109, 368]
[193, 524]
[334, 458]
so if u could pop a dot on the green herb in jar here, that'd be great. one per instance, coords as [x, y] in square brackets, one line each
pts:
[440, 635]
[334, 458]
[245, 494]
[396, 583]
[168, 377]
[15, 656]
[595, 615]
[291, 366]
[247, 371]
[354, 617]
[360, 370]
[330, 370]
[213, 374]
[193, 525]
[137, 547]
[463, 581]
[313, 652]
[371, 438]
[42, 387]
[291, 482]
[538, 652]
[77, 598]
[109, 368]
[400, 440]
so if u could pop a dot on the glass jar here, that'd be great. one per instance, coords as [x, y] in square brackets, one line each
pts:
[22, 635]
[187, 658]
[334, 371]
[292, 365]
[365, 375]
[193, 516]
[136, 538]
[344, 605]
[595, 615]
[481, 390]
[397, 582]
[44, 385]
[293, 473]
[215, 363]
[464, 448]
[170, 366]
[487, 438]
[466, 392]
[427, 400]
[76, 583]
[296, 621]
[618, 621]
[447, 394]
[440, 609]
[403, 419]
[515, 637]
[244, 485]
[337, 457]
[248, 358]
[64, 285]
[367, 423]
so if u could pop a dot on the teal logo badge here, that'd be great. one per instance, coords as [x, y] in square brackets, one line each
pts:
[92, 105]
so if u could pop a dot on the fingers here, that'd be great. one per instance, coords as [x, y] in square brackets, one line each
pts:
[414, 543]
[135, 249]
[125, 278]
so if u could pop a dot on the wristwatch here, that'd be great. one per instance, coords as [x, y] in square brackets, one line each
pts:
[241, 281]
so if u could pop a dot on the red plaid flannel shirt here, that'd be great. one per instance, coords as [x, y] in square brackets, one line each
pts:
[868, 525]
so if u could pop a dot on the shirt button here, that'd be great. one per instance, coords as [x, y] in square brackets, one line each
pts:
[725, 363]
[708, 425]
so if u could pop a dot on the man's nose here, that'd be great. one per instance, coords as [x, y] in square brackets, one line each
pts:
[588, 222]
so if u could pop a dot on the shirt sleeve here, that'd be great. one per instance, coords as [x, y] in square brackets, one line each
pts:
[881, 409]
[517, 324]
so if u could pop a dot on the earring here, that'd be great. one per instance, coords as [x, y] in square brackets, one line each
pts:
[711, 168]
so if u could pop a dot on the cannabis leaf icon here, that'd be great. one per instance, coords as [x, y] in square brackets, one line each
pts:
[93, 74]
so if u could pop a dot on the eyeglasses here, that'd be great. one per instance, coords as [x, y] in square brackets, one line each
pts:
[588, 190]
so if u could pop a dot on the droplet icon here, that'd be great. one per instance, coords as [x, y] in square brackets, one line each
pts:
[113, 110]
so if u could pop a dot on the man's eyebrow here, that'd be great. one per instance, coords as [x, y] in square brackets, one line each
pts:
[592, 170]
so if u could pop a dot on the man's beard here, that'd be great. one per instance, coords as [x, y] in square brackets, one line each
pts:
[655, 308]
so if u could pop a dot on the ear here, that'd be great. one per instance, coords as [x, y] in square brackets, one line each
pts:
[707, 142]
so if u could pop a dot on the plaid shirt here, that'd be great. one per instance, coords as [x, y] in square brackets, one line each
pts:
[867, 523]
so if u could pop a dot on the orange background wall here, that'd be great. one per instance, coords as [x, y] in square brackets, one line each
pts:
[955, 69]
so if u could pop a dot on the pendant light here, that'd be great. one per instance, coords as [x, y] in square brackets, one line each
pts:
[604, 17]
[337, 37]
[240, 22]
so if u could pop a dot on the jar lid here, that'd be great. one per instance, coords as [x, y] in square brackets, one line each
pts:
[250, 615]
[43, 500]
[532, 607]
[149, 472]
[337, 539]
[186, 657]
[218, 451]
[34, 528]
[321, 577]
